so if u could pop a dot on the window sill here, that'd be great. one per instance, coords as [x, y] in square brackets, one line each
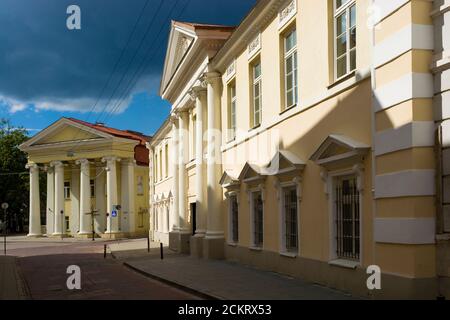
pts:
[288, 109]
[233, 244]
[348, 264]
[256, 248]
[289, 254]
[342, 79]
[254, 128]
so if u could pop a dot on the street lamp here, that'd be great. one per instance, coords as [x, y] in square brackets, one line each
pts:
[4, 207]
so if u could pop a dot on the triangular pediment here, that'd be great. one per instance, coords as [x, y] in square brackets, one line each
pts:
[339, 149]
[250, 172]
[65, 132]
[228, 180]
[283, 162]
[181, 39]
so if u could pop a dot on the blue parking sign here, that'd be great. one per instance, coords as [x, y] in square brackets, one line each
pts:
[114, 214]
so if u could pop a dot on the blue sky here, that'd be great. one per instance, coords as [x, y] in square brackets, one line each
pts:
[48, 72]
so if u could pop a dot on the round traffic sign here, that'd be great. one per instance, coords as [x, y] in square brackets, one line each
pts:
[5, 206]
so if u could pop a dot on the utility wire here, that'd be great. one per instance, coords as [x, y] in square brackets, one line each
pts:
[149, 27]
[116, 65]
[144, 63]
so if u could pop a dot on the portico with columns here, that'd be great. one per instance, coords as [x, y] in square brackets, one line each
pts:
[97, 181]
[196, 216]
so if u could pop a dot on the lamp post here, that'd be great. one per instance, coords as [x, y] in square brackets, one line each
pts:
[4, 207]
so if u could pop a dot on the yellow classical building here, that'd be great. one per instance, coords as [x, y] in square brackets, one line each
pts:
[303, 141]
[97, 180]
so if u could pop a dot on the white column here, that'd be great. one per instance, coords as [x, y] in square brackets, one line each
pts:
[214, 167]
[151, 189]
[200, 95]
[183, 154]
[100, 200]
[59, 215]
[112, 225]
[175, 155]
[85, 197]
[75, 200]
[35, 208]
[50, 210]
[127, 195]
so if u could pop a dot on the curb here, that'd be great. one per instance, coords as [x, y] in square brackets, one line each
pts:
[174, 284]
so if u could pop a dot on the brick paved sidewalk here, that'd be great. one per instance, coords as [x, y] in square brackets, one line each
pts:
[11, 283]
[222, 279]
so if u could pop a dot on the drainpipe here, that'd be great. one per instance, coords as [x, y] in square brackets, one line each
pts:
[374, 165]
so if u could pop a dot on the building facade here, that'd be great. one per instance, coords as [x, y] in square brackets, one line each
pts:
[306, 141]
[97, 180]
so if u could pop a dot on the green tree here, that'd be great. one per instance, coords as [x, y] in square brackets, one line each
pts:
[14, 179]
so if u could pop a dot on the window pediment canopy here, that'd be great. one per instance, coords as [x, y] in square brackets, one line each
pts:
[338, 151]
[251, 173]
[284, 162]
[229, 181]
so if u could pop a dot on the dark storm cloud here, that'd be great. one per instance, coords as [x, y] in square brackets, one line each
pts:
[42, 63]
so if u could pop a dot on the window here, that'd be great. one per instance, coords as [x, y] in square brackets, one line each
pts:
[67, 223]
[345, 37]
[232, 112]
[141, 219]
[92, 182]
[290, 69]
[347, 218]
[234, 219]
[194, 138]
[155, 166]
[290, 216]
[140, 186]
[257, 94]
[160, 165]
[167, 160]
[67, 190]
[258, 222]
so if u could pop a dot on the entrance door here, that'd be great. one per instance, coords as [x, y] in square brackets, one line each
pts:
[194, 217]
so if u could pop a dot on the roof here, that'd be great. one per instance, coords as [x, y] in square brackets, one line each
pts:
[194, 25]
[127, 134]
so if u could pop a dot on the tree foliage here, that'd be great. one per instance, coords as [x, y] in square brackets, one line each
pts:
[14, 179]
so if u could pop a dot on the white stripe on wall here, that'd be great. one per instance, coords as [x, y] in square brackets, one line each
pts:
[405, 231]
[405, 184]
[413, 36]
[413, 134]
[387, 7]
[410, 86]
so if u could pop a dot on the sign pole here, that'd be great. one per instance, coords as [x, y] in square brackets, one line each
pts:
[4, 207]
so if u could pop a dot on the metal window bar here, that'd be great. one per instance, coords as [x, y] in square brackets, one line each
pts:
[347, 219]
[258, 220]
[234, 220]
[291, 229]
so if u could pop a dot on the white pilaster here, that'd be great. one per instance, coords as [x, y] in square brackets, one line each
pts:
[128, 192]
[175, 157]
[100, 200]
[85, 197]
[35, 209]
[50, 210]
[182, 160]
[112, 225]
[59, 215]
[215, 228]
[200, 95]
[75, 200]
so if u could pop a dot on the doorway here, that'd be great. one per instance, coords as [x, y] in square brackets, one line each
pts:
[194, 217]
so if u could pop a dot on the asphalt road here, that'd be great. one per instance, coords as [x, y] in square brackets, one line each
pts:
[43, 267]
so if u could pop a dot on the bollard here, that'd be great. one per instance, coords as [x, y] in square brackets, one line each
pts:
[148, 244]
[161, 251]
[104, 252]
